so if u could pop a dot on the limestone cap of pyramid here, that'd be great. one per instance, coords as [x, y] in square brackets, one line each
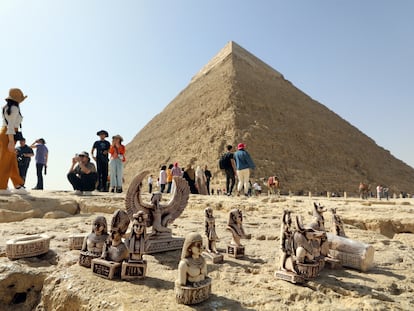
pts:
[233, 49]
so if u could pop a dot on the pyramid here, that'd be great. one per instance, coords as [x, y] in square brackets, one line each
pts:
[236, 98]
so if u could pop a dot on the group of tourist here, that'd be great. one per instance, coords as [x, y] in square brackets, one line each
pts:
[198, 179]
[85, 177]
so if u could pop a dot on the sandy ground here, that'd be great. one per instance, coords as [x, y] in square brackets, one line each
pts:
[56, 282]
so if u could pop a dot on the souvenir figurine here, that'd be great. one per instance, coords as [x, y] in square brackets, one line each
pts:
[94, 242]
[235, 226]
[159, 215]
[210, 230]
[192, 285]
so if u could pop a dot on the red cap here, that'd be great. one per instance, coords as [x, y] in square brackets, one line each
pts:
[241, 146]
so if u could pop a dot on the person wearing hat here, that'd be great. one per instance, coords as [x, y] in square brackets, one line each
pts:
[243, 165]
[101, 159]
[42, 154]
[82, 174]
[12, 120]
[116, 164]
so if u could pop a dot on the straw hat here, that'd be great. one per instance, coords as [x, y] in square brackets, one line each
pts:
[16, 95]
[118, 136]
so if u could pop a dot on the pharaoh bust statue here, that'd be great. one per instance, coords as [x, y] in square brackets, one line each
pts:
[136, 242]
[94, 242]
[192, 269]
[115, 249]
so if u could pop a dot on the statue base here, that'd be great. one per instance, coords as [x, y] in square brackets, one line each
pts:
[333, 263]
[28, 246]
[235, 251]
[289, 276]
[191, 295]
[133, 270]
[75, 241]
[215, 258]
[106, 269]
[85, 258]
[308, 270]
[160, 244]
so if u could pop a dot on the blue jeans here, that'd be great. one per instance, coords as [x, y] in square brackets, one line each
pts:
[116, 170]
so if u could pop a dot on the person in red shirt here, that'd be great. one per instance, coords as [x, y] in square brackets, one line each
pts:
[116, 164]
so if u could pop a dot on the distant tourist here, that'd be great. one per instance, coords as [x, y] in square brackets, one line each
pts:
[189, 175]
[208, 175]
[150, 181]
[24, 154]
[243, 165]
[101, 158]
[41, 158]
[116, 164]
[229, 167]
[12, 119]
[200, 178]
[257, 189]
[169, 178]
[82, 174]
[379, 192]
[163, 178]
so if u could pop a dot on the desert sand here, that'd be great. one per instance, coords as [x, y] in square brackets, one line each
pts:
[55, 281]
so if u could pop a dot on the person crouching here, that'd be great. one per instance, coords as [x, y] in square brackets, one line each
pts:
[82, 174]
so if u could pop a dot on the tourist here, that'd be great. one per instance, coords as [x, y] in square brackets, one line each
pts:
[176, 172]
[230, 170]
[257, 189]
[101, 159]
[163, 178]
[169, 178]
[41, 161]
[150, 181]
[189, 175]
[208, 175]
[116, 164]
[243, 165]
[82, 174]
[379, 192]
[24, 154]
[12, 119]
[200, 180]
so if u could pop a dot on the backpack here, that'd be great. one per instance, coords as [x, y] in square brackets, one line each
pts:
[225, 162]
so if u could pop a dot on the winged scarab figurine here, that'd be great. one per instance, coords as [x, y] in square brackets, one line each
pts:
[159, 215]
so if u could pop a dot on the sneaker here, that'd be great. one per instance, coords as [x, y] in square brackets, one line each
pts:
[20, 190]
[5, 192]
[78, 192]
[87, 193]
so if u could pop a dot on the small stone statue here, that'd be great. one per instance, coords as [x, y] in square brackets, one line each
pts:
[138, 238]
[337, 224]
[136, 266]
[94, 242]
[210, 230]
[160, 215]
[210, 226]
[235, 226]
[192, 285]
[286, 238]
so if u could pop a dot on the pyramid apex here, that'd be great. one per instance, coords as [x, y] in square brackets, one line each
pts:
[233, 49]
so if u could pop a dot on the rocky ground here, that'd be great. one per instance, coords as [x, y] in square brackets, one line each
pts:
[55, 281]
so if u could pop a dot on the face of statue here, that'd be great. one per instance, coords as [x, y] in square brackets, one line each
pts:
[116, 236]
[98, 228]
[196, 249]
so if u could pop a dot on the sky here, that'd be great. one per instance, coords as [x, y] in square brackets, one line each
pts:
[88, 65]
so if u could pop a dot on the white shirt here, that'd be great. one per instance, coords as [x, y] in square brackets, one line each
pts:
[14, 120]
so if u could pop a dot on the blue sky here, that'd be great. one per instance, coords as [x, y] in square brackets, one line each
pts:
[91, 65]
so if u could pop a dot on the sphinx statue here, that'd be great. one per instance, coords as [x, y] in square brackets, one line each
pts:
[192, 285]
[158, 215]
[235, 226]
[94, 242]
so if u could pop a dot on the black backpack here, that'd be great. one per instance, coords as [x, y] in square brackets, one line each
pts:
[225, 161]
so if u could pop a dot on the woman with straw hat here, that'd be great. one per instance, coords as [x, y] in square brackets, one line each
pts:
[12, 120]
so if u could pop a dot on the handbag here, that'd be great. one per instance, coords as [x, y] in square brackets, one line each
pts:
[18, 136]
